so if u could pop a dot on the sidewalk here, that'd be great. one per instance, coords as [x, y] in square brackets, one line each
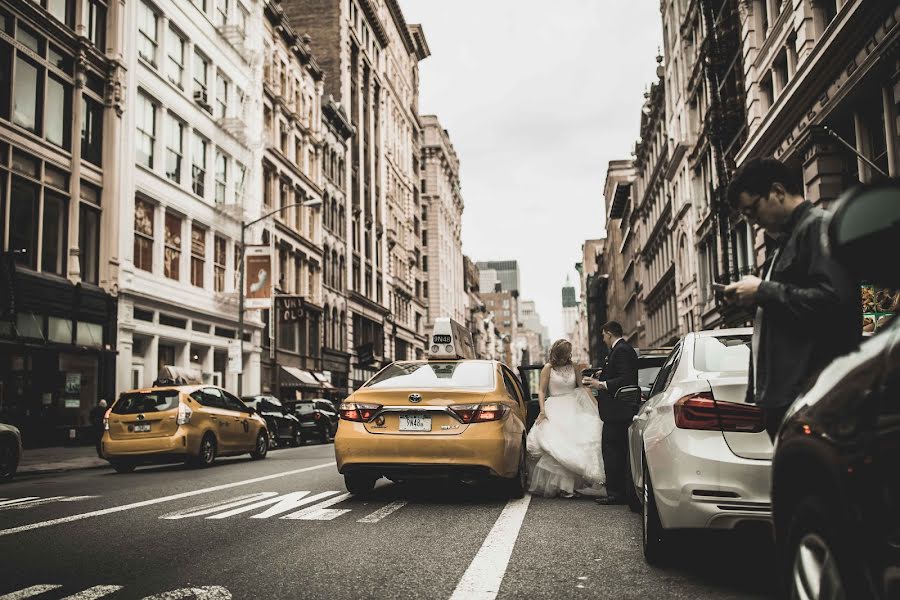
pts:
[63, 458]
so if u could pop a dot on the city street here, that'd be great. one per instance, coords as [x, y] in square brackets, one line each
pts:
[285, 528]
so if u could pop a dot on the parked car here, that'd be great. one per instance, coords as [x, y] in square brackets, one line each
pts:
[10, 451]
[448, 416]
[193, 423]
[699, 455]
[284, 427]
[317, 418]
[836, 468]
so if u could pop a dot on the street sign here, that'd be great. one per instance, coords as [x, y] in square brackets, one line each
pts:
[235, 358]
[290, 308]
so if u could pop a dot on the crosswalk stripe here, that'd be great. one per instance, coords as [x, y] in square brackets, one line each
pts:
[211, 507]
[382, 512]
[98, 591]
[31, 503]
[317, 511]
[76, 498]
[17, 500]
[30, 592]
[283, 504]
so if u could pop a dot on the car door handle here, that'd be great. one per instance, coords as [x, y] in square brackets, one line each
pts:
[213, 418]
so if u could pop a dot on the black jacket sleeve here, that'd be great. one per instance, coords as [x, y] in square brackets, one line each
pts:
[624, 371]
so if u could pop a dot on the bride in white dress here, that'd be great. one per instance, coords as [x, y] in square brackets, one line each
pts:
[564, 443]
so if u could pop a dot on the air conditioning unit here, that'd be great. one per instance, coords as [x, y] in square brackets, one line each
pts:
[200, 96]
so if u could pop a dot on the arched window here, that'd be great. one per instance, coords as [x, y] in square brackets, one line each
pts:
[325, 266]
[334, 262]
[342, 274]
[343, 330]
[326, 326]
[335, 328]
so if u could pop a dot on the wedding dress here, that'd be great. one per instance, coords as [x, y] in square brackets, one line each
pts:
[564, 447]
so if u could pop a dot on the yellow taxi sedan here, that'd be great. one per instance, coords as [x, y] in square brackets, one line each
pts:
[193, 423]
[442, 417]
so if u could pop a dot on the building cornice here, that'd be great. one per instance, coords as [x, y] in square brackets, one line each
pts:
[299, 46]
[377, 27]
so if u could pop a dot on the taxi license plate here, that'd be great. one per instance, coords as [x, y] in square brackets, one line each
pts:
[141, 427]
[415, 423]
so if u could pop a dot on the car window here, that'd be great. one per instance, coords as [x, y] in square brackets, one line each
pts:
[212, 397]
[664, 377]
[436, 375]
[232, 402]
[722, 353]
[274, 402]
[144, 402]
[304, 408]
[324, 406]
[648, 368]
[512, 387]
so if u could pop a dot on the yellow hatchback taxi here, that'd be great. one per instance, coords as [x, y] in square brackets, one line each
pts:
[448, 416]
[180, 421]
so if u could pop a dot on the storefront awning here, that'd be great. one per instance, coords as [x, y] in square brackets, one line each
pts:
[301, 377]
[322, 380]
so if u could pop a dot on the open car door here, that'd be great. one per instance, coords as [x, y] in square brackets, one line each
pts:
[530, 376]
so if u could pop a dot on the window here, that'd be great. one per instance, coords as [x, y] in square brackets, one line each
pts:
[198, 174]
[727, 353]
[201, 4]
[198, 254]
[175, 149]
[221, 176]
[239, 173]
[91, 130]
[242, 17]
[57, 108]
[172, 240]
[146, 126]
[94, 17]
[201, 72]
[435, 375]
[143, 235]
[219, 257]
[25, 95]
[221, 15]
[221, 97]
[89, 233]
[176, 59]
[148, 25]
[23, 205]
[54, 218]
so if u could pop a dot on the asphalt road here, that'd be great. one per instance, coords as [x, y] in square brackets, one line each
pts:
[285, 528]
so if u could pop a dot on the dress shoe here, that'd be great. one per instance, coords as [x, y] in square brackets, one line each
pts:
[611, 500]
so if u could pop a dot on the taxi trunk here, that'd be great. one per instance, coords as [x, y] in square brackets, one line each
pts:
[413, 412]
[145, 415]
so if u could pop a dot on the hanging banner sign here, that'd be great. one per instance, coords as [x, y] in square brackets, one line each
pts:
[235, 360]
[258, 277]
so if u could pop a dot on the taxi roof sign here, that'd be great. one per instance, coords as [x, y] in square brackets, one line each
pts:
[450, 339]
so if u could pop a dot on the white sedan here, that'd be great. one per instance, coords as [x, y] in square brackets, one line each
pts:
[700, 455]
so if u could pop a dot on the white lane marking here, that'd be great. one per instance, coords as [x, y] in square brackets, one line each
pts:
[205, 509]
[282, 504]
[98, 591]
[77, 498]
[206, 592]
[318, 512]
[124, 507]
[40, 501]
[482, 579]
[17, 500]
[382, 512]
[30, 592]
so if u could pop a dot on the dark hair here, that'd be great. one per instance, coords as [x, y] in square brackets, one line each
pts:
[614, 328]
[757, 176]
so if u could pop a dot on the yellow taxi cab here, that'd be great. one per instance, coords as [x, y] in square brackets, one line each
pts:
[447, 416]
[180, 419]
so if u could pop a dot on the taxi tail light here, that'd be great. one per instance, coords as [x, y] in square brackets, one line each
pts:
[106, 419]
[184, 414]
[480, 413]
[702, 411]
[357, 411]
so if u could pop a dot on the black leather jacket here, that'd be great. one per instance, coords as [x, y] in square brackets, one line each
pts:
[811, 312]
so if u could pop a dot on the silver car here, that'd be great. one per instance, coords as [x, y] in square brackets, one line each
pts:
[700, 455]
[10, 451]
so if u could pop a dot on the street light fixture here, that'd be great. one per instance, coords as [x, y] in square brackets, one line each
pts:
[310, 203]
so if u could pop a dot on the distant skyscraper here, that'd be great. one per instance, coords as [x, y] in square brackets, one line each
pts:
[569, 307]
[507, 273]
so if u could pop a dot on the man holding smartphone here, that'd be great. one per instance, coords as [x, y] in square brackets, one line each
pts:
[808, 309]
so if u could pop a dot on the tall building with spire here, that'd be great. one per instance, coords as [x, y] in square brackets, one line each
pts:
[569, 307]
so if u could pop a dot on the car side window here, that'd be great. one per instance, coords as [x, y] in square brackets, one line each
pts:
[212, 397]
[324, 406]
[511, 388]
[233, 403]
[665, 374]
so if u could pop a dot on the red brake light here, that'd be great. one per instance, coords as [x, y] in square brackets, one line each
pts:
[356, 411]
[703, 412]
[317, 416]
[480, 413]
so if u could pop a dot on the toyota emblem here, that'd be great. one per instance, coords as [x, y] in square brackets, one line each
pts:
[415, 398]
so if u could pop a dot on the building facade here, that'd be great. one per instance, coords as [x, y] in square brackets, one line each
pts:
[570, 308]
[506, 273]
[194, 113]
[442, 208]
[61, 133]
[292, 188]
[504, 306]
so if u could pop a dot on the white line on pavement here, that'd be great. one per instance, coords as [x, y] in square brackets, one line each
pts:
[98, 591]
[35, 590]
[382, 512]
[17, 500]
[320, 512]
[282, 505]
[482, 579]
[124, 507]
[205, 509]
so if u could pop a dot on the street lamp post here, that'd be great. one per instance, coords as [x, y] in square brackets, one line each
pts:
[311, 203]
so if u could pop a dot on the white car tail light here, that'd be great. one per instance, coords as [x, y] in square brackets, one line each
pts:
[703, 412]
[184, 414]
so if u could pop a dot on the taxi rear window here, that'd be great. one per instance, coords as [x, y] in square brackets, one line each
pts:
[144, 402]
[435, 375]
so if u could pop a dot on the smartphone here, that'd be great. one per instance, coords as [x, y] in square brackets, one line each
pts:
[718, 287]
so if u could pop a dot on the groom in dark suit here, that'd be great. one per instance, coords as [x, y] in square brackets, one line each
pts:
[620, 370]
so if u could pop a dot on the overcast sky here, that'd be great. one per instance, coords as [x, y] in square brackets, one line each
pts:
[537, 97]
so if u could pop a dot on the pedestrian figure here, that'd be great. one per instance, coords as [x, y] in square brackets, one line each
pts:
[564, 442]
[97, 415]
[808, 308]
[620, 370]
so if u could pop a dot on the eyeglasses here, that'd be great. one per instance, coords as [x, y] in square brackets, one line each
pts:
[750, 211]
